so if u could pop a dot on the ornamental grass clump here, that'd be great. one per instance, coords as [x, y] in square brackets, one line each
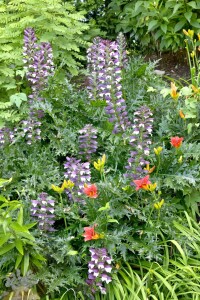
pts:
[79, 173]
[140, 141]
[105, 61]
[99, 270]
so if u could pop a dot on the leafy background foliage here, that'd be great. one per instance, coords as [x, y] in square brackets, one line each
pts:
[155, 243]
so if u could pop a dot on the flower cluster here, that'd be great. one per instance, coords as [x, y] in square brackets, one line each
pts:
[140, 141]
[100, 163]
[99, 269]
[31, 130]
[87, 141]
[38, 61]
[121, 41]
[79, 173]
[105, 67]
[43, 211]
[6, 135]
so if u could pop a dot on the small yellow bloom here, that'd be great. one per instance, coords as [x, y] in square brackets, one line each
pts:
[57, 189]
[158, 205]
[99, 165]
[67, 184]
[151, 187]
[173, 92]
[181, 114]
[97, 236]
[158, 150]
[192, 54]
[195, 89]
[190, 33]
[185, 32]
[150, 170]
[117, 266]
[180, 160]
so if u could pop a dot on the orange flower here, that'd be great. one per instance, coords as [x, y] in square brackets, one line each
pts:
[176, 141]
[148, 169]
[90, 191]
[142, 183]
[90, 234]
[173, 92]
[181, 114]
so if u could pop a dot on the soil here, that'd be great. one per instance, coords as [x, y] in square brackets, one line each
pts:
[175, 65]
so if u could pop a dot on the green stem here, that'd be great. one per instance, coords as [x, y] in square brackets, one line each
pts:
[62, 208]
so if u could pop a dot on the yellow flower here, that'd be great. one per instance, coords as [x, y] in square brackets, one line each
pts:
[151, 187]
[117, 266]
[195, 89]
[198, 34]
[173, 92]
[67, 184]
[57, 189]
[99, 165]
[158, 205]
[180, 160]
[192, 54]
[190, 33]
[150, 170]
[158, 150]
[185, 32]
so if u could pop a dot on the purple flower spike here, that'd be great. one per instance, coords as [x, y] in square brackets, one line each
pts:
[140, 141]
[105, 62]
[79, 173]
[42, 210]
[6, 136]
[98, 270]
[87, 141]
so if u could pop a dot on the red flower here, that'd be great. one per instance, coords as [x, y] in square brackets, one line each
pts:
[142, 183]
[91, 191]
[176, 141]
[90, 234]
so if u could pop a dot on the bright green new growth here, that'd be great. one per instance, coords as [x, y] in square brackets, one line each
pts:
[52, 21]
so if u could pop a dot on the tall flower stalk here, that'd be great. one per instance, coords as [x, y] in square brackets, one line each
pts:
[99, 270]
[38, 62]
[140, 141]
[79, 173]
[42, 210]
[105, 62]
[87, 141]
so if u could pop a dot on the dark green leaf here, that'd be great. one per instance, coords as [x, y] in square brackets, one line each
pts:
[179, 25]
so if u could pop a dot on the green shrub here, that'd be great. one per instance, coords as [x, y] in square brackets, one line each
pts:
[156, 24]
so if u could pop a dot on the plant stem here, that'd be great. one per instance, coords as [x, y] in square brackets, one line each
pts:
[62, 208]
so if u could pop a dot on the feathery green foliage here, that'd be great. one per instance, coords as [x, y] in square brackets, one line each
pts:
[53, 21]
